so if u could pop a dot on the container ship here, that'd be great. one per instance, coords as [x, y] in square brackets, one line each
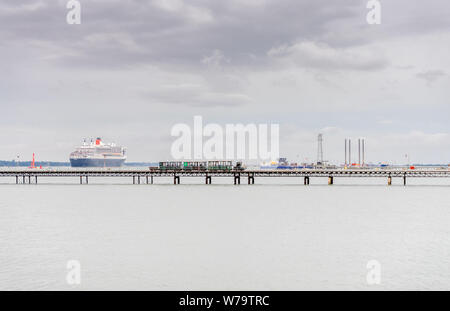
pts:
[98, 154]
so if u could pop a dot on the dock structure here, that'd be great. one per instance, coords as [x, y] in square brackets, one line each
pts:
[31, 176]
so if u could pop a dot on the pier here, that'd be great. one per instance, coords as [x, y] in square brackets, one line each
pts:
[32, 176]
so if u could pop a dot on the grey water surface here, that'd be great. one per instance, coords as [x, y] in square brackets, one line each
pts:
[275, 235]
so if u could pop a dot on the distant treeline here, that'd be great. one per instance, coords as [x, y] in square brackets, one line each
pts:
[28, 163]
[47, 164]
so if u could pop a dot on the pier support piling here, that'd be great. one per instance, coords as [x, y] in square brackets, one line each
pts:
[17, 179]
[251, 179]
[87, 180]
[208, 179]
[81, 180]
[23, 179]
[139, 180]
[404, 180]
[331, 180]
[176, 180]
[146, 179]
[237, 179]
[35, 180]
[390, 181]
[306, 181]
[151, 179]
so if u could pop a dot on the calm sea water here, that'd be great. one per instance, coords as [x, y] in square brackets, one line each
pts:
[224, 237]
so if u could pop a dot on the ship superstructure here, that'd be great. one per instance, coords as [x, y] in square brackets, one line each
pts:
[98, 154]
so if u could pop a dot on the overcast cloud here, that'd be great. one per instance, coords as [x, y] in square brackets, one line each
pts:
[134, 68]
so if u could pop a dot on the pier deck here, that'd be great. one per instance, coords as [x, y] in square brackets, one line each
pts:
[32, 175]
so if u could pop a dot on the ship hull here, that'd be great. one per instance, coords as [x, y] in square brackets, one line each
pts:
[96, 162]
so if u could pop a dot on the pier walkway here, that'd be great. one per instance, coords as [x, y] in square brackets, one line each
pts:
[138, 176]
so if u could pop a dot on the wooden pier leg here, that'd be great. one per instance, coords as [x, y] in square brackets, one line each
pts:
[81, 180]
[151, 179]
[390, 181]
[306, 181]
[134, 180]
[330, 180]
[23, 179]
[139, 180]
[404, 180]
[17, 179]
[35, 180]
[87, 180]
[146, 179]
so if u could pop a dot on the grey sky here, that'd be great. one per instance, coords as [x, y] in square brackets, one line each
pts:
[134, 68]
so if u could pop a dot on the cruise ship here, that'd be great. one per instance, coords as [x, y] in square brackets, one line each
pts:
[98, 154]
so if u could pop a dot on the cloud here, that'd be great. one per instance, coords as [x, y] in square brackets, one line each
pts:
[19, 8]
[195, 95]
[215, 60]
[385, 122]
[429, 139]
[134, 67]
[170, 32]
[193, 13]
[431, 76]
[321, 56]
